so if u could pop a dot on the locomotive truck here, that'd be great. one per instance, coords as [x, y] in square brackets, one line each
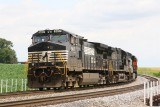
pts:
[60, 59]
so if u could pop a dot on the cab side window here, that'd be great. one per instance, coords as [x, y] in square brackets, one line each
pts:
[72, 40]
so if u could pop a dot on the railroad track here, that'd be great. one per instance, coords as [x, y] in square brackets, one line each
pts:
[151, 78]
[69, 98]
[74, 97]
[37, 92]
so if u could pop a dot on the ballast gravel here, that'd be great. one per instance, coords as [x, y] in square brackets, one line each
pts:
[133, 99]
[96, 102]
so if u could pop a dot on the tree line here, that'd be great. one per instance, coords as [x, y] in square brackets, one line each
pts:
[7, 54]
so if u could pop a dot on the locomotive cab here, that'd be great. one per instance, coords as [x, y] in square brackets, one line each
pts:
[49, 38]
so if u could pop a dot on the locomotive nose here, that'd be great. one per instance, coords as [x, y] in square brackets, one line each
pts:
[46, 46]
[47, 54]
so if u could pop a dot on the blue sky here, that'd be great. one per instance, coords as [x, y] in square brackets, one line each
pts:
[132, 25]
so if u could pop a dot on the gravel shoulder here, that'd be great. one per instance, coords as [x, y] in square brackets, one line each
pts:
[133, 99]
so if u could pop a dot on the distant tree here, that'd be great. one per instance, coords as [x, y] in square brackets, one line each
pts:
[7, 54]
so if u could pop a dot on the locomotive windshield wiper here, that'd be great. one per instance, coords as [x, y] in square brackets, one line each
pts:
[59, 41]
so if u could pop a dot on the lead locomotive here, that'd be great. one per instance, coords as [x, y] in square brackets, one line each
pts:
[58, 58]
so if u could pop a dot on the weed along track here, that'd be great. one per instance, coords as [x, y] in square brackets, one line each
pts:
[73, 97]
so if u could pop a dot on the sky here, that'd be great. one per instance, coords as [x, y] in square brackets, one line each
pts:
[132, 25]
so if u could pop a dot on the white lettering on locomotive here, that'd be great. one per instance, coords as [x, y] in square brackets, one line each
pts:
[89, 51]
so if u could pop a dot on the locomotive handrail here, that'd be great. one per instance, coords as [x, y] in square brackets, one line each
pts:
[110, 67]
[26, 68]
[64, 63]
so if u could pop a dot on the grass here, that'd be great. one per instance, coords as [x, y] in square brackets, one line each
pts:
[149, 71]
[13, 71]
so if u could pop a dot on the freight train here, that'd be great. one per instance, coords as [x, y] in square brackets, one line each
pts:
[60, 59]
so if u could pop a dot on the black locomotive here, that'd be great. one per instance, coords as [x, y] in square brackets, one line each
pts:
[58, 58]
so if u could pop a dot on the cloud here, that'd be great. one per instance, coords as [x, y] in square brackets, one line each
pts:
[129, 24]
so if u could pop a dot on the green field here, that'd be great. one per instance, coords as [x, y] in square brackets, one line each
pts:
[12, 75]
[13, 71]
[149, 71]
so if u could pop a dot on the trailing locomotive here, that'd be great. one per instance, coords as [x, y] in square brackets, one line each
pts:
[58, 58]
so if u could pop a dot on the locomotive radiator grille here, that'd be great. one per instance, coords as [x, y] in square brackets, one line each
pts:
[48, 56]
[34, 56]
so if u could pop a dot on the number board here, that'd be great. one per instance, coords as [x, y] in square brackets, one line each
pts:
[50, 31]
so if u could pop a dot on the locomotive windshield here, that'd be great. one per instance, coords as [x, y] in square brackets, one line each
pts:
[38, 39]
[58, 38]
[52, 38]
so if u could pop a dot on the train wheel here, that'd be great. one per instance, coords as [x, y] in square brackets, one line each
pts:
[134, 76]
[73, 83]
[48, 88]
[110, 80]
[107, 80]
[115, 78]
[126, 77]
[40, 89]
[60, 88]
[94, 85]
[66, 85]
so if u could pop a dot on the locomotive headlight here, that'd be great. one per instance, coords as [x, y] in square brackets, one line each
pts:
[34, 72]
[32, 64]
[52, 63]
